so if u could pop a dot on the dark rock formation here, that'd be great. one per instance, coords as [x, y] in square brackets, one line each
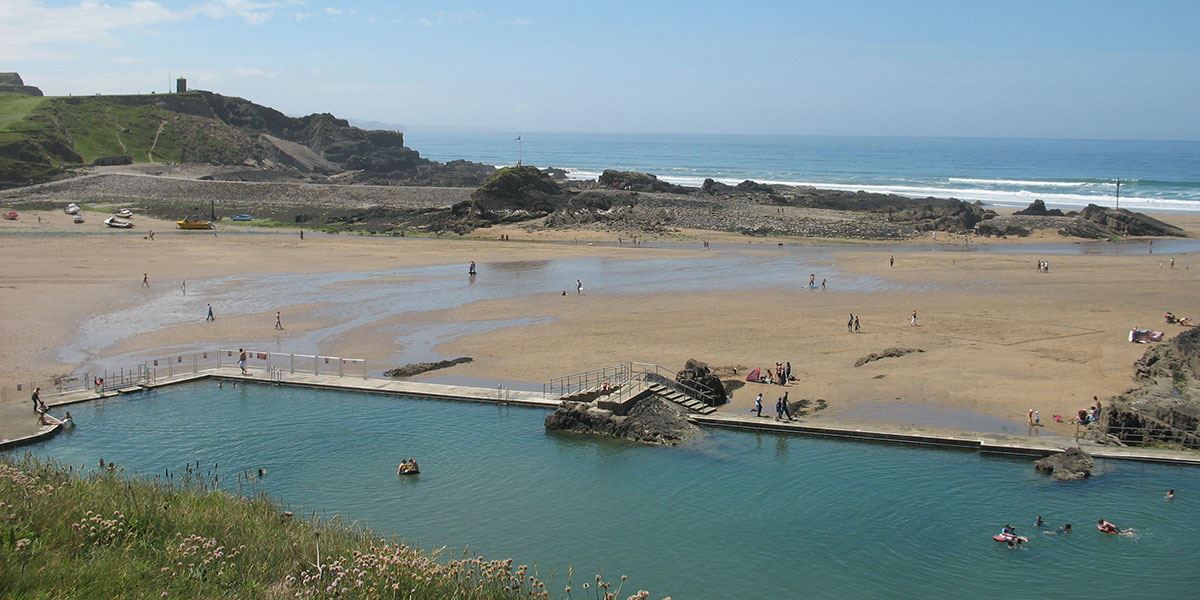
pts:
[889, 353]
[1098, 222]
[754, 186]
[1068, 465]
[509, 195]
[109, 161]
[424, 367]
[1165, 407]
[698, 375]
[998, 228]
[650, 420]
[1038, 209]
[638, 182]
[11, 83]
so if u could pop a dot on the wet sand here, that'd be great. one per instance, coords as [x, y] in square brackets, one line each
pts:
[999, 337]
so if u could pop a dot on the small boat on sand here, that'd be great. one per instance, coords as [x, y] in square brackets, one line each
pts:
[125, 213]
[190, 223]
[242, 217]
[72, 209]
[118, 223]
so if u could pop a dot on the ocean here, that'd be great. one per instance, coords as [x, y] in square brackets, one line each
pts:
[1155, 175]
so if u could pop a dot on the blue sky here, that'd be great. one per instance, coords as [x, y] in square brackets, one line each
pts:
[994, 69]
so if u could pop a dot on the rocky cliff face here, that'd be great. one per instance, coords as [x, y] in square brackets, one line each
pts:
[11, 83]
[1165, 407]
[1098, 222]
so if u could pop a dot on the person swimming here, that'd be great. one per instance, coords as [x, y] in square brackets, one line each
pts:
[1008, 530]
[1106, 527]
[1170, 492]
[1039, 523]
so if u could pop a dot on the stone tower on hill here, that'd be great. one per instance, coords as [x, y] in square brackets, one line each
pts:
[11, 83]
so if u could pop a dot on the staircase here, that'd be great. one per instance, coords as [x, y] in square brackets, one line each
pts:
[679, 398]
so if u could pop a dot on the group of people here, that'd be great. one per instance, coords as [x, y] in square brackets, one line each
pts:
[43, 411]
[780, 375]
[1043, 266]
[812, 281]
[1087, 416]
[1181, 321]
[408, 466]
[852, 323]
[782, 408]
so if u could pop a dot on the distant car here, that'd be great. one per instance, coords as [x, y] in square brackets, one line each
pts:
[242, 218]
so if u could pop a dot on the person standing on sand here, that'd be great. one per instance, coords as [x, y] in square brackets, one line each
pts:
[301, 234]
[757, 404]
[787, 371]
[579, 287]
[242, 360]
[145, 280]
[210, 315]
[913, 321]
[891, 261]
[36, 397]
[471, 268]
[856, 324]
[812, 281]
[1029, 417]
[183, 287]
[850, 323]
[779, 409]
[278, 321]
[783, 404]
[822, 283]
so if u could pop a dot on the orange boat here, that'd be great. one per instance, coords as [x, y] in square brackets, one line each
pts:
[190, 223]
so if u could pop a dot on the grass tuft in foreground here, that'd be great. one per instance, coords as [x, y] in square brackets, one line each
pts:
[64, 534]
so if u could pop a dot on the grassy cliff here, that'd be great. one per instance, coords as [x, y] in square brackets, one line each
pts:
[69, 535]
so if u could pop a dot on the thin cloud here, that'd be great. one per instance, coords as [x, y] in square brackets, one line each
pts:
[29, 26]
[329, 10]
[517, 22]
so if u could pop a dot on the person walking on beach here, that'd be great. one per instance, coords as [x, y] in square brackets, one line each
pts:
[36, 397]
[145, 280]
[891, 261]
[1029, 417]
[856, 324]
[913, 321]
[812, 281]
[822, 283]
[278, 322]
[779, 409]
[301, 234]
[579, 287]
[758, 404]
[183, 287]
[471, 269]
[242, 360]
[783, 405]
[210, 315]
[850, 323]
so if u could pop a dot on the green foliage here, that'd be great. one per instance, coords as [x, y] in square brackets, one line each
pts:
[15, 107]
[66, 534]
[513, 182]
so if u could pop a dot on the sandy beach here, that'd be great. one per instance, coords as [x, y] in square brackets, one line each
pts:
[999, 338]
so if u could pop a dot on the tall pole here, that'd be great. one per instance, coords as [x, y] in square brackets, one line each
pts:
[1118, 193]
[520, 149]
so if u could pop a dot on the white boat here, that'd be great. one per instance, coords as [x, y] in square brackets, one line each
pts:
[72, 209]
[119, 224]
[125, 213]
[77, 218]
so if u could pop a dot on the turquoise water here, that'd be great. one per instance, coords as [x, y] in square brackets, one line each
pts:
[1067, 173]
[732, 515]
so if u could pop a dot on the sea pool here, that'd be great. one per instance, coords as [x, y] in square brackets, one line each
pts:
[731, 515]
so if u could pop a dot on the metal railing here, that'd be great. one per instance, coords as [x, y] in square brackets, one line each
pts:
[1153, 433]
[616, 377]
[624, 382]
[314, 364]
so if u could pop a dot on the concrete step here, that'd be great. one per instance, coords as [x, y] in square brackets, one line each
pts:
[707, 410]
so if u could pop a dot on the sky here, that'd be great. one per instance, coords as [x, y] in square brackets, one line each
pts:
[1015, 68]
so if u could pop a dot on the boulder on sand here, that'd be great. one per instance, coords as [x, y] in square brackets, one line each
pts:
[697, 374]
[1068, 465]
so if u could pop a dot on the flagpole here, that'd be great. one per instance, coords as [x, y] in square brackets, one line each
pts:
[520, 149]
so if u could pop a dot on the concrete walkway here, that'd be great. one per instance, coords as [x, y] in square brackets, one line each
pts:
[18, 422]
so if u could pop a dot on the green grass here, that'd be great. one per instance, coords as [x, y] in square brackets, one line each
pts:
[101, 535]
[15, 107]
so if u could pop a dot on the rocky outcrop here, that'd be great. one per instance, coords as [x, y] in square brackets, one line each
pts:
[650, 420]
[1098, 222]
[412, 369]
[1165, 407]
[11, 83]
[1068, 465]
[509, 195]
[1037, 208]
[889, 353]
[638, 182]
[697, 374]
